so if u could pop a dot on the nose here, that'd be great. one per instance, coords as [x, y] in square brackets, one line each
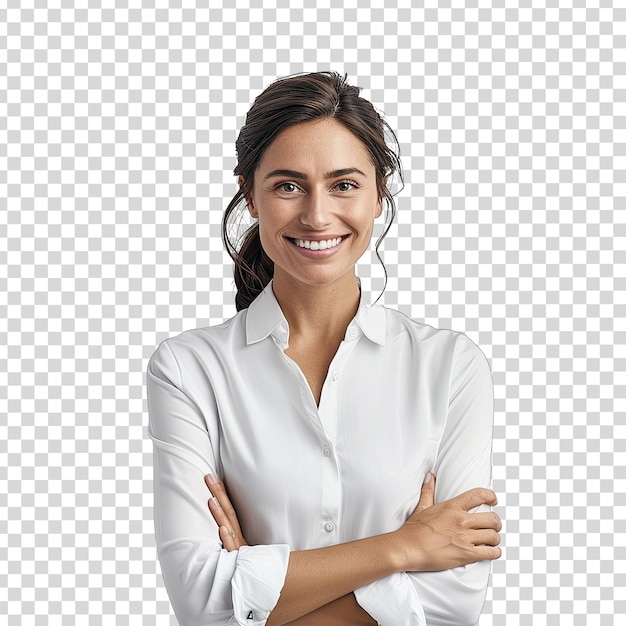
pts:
[316, 210]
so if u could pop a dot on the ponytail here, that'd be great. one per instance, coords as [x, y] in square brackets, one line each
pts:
[253, 268]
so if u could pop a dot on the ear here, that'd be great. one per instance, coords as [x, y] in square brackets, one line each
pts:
[379, 208]
[251, 209]
[249, 204]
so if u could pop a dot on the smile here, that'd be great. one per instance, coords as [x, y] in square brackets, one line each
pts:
[318, 245]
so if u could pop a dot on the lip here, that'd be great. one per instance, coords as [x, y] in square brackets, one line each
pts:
[317, 237]
[318, 254]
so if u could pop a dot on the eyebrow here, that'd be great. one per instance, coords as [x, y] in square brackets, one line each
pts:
[301, 176]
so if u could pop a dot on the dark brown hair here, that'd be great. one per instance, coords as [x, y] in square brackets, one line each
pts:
[289, 101]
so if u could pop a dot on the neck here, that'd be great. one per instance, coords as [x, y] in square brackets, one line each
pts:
[317, 311]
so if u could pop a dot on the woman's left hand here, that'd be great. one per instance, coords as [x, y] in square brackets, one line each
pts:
[224, 514]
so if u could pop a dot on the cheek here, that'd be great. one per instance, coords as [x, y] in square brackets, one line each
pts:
[274, 217]
[269, 236]
[268, 225]
[368, 235]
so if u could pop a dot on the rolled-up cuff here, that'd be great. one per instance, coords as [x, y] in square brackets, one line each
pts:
[392, 601]
[257, 582]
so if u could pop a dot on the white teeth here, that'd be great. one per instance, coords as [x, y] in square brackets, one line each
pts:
[318, 245]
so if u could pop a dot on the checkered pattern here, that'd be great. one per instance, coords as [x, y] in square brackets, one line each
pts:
[117, 130]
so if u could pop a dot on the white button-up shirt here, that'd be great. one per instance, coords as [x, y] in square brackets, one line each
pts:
[400, 399]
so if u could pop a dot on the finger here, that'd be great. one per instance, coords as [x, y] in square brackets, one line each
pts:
[427, 497]
[229, 539]
[218, 512]
[223, 511]
[218, 490]
[209, 482]
[475, 497]
[487, 553]
[484, 520]
[226, 533]
[223, 521]
[213, 480]
[227, 507]
[485, 537]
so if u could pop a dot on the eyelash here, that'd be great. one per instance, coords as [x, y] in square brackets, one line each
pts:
[280, 186]
[348, 181]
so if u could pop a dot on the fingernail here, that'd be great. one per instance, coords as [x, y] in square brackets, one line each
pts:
[210, 478]
[428, 478]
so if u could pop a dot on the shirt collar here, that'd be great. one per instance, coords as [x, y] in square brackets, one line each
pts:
[372, 321]
[265, 318]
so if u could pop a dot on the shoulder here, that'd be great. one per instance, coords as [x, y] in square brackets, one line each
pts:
[442, 344]
[400, 325]
[199, 345]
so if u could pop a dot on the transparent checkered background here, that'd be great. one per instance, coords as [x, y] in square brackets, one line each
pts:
[117, 131]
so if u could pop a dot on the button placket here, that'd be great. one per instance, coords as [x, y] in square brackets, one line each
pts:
[330, 471]
[328, 415]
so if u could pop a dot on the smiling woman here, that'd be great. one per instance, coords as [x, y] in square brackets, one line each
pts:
[314, 221]
[319, 98]
[318, 422]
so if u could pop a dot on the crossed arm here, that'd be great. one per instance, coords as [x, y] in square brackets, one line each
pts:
[319, 586]
[319, 583]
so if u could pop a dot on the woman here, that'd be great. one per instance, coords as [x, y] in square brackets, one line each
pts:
[319, 422]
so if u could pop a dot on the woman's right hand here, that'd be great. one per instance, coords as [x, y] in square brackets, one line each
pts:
[445, 535]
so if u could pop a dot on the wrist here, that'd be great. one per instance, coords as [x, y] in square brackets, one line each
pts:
[397, 552]
[406, 553]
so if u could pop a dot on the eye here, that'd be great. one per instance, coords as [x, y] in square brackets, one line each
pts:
[287, 187]
[346, 185]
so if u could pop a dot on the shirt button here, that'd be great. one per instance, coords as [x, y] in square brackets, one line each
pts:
[352, 332]
[335, 376]
[326, 451]
[329, 527]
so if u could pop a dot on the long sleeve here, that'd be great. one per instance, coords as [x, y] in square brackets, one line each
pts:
[451, 597]
[207, 585]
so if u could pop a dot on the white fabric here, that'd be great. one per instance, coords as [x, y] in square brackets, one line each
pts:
[400, 399]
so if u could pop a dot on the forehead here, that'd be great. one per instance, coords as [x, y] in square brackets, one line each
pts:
[321, 144]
